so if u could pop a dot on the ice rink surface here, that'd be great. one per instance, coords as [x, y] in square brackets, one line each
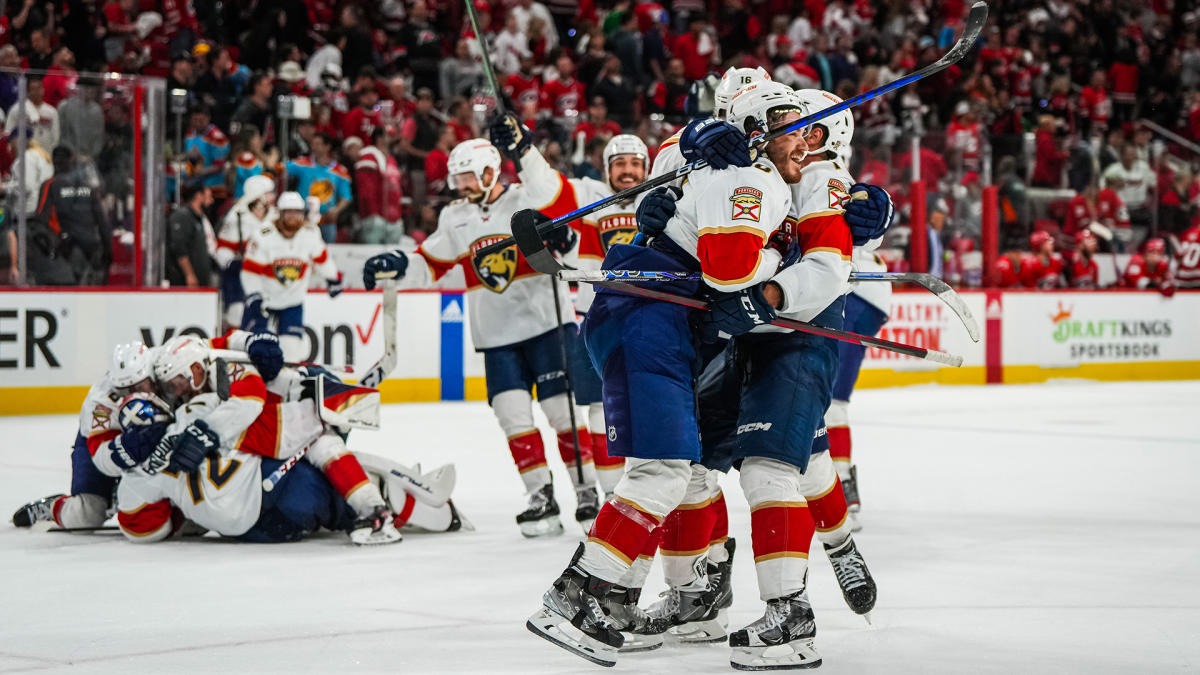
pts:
[1033, 529]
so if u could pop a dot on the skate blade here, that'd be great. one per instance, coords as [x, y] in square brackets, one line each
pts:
[702, 632]
[546, 527]
[637, 642]
[554, 628]
[867, 617]
[795, 655]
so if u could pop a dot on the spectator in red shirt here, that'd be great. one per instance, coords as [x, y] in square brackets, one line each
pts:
[963, 136]
[597, 123]
[1006, 273]
[1095, 205]
[669, 97]
[364, 119]
[61, 76]
[933, 166]
[696, 48]
[1150, 269]
[564, 96]
[1082, 271]
[1124, 77]
[437, 165]
[462, 120]
[523, 87]
[1049, 158]
[377, 184]
[1041, 268]
[1095, 107]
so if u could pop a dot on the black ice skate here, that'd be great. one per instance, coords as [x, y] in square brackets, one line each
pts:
[698, 616]
[35, 512]
[853, 505]
[575, 615]
[587, 507]
[781, 640]
[641, 632]
[541, 518]
[375, 529]
[858, 588]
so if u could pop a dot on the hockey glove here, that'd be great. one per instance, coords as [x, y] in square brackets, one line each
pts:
[335, 286]
[191, 447]
[657, 207]
[715, 141]
[868, 218]
[254, 316]
[739, 312]
[509, 136]
[265, 354]
[136, 444]
[561, 239]
[385, 265]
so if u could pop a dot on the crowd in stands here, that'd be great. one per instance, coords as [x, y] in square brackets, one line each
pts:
[357, 103]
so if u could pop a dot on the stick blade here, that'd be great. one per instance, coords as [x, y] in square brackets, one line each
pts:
[529, 241]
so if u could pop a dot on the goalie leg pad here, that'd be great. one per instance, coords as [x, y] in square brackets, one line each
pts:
[432, 488]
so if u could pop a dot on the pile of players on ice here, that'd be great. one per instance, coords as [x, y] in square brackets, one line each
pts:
[220, 436]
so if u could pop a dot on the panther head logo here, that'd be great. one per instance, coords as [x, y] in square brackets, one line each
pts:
[497, 270]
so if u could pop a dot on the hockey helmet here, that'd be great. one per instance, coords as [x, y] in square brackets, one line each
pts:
[256, 187]
[731, 82]
[131, 363]
[753, 107]
[1083, 235]
[625, 144]
[1038, 239]
[290, 201]
[1156, 245]
[176, 359]
[839, 127]
[474, 156]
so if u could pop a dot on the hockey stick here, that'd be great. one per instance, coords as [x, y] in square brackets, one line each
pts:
[530, 243]
[974, 24]
[102, 528]
[927, 281]
[372, 378]
[234, 356]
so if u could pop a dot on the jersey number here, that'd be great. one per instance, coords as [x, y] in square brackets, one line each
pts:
[1189, 254]
[216, 475]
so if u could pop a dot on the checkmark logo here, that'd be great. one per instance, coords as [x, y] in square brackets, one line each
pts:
[370, 327]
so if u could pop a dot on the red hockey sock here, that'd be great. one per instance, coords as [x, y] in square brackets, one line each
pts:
[566, 447]
[829, 508]
[346, 474]
[56, 509]
[600, 454]
[839, 444]
[527, 450]
[720, 528]
[623, 529]
[781, 533]
[688, 530]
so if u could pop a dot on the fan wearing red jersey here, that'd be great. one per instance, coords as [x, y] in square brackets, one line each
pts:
[1095, 205]
[1150, 269]
[1042, 268]
[1006, 273]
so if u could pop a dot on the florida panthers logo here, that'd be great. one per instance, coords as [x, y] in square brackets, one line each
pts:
[288, 270]
[494, 270]
[322, 189]
[618, 229]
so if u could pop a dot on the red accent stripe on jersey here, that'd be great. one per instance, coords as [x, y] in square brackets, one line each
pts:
[564, 202]
[600, 454]
[566, 447]
[780, 530]
[730, 257]
[258, 268]
[827, 231]
[829, 509]
[527, 450]
[263, 435]
[440, 267]
[96, 440]
[322, 257]
[589, 239]
[146, 519]
[688, 531]
[249, 386]
[346, 474]
[839, 443]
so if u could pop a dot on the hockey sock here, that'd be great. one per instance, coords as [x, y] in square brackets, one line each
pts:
[530, 457]
[830, 514]
[837, 421]
[781, 527]
[686, 534]
[329, 453]
[608, 469]
[81, 510]
[717, 553]
[566, 449]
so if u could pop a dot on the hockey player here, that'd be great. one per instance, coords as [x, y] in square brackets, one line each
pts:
[254, 210]
[224, 493]
[1082, 270]
[1041, 268]
[513, 322]
[626, 161]
[280, 258]
[644, 350]
[1150, 269]
[250, 419]
[99, 440]
[1187, 258]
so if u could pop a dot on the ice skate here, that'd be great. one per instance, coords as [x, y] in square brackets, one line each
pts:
[541, 518]
[457, 520]
[850, 488]
[641, 631]
[575, 615]
[35, 512]
[375, 529]
[858, 588]
[781, 640]
[587, 507]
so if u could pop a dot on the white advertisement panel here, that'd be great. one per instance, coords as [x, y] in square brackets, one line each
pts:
[920, 319]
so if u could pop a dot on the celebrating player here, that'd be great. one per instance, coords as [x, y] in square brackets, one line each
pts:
[252, 212]
[280, 258]
[513, 322]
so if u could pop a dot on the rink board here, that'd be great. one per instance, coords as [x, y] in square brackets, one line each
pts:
[54, 344]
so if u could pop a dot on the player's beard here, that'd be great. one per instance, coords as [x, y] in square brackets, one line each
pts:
[624, 181]
[288, 230]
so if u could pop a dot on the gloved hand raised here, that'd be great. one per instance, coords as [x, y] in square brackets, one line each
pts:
[392, 265]
[191, 447]
[265, 354]
[509, 136]
[868, 218]
[715, 141]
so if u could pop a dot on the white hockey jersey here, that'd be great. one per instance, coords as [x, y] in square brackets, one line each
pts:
[876, 293]
[669, 158]
[508, 301]
[279, 267]
[614, 224]
[725, 218]
[237, 228]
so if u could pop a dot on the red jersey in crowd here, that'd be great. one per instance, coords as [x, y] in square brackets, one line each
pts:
[606, 130]
[966, 139]
[1005, 273]
[462, 132]
[1124, 78]
[361, 124]
[437, 170]
[377, 180]
[523, 90]
[696, 51]
[1043, 275]
[1187, 259]
[1082, 271]
[1139, 274]
[1095, 105]
[559, 96]
[933, 167]
[1106, 210]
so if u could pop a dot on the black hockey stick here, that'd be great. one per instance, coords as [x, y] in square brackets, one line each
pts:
[530, 243]
[974, 24]
[82, 530]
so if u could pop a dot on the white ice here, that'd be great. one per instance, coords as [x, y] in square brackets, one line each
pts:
[1033, 529]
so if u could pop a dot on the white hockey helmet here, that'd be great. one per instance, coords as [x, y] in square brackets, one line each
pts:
[625, 144]
[257, 186]
[290, 201]
[731, 82]
[839, 127]
[474, 156]
[753, 106]
[177, 356]
[131, 363]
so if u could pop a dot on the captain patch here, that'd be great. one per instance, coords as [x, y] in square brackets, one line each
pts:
[839, 194]
[747, 203]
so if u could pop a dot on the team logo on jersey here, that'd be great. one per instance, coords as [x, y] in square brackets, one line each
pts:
[289, 270]
[494, 270]
[322, 189]
[747, 203]
[839, 194]
[618, 229]
[100, 417]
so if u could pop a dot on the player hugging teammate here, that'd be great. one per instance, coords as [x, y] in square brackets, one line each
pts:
[770, 237]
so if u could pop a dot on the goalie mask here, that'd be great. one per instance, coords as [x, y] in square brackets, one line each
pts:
[733, 81]
[475, 157]
[627, 173]
[839, 128]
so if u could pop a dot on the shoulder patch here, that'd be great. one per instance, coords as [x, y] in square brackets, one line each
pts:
[747, 203]
[839, 194]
